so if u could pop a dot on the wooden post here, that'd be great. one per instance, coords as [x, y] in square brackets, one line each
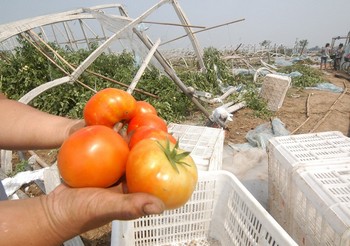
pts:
[6, 161]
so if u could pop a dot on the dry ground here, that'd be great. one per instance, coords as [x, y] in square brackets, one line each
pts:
[303, 111]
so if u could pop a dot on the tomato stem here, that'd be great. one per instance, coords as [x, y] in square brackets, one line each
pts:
[173, 156]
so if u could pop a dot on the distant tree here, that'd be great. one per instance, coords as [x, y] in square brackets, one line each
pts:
[281, 49]
[265, 44]
[302, 44]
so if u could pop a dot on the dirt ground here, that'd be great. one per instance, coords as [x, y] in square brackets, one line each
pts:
[303, 111]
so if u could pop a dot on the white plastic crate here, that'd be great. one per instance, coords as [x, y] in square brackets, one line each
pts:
[274, 89]
[321, 205]
[287, 154]
[221, 211]
[206, 144]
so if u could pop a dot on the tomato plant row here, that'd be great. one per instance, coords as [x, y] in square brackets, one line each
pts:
[142, 150]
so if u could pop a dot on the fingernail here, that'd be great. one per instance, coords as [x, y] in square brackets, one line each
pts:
[153, 208]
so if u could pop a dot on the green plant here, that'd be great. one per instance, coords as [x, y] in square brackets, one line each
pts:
[257, 103]
[27, 68]
[19, 167]
[310, 76]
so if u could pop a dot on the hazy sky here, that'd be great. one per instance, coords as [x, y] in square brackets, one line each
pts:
[279, 21]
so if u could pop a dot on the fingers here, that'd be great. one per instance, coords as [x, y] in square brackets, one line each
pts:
[118, 126]
[149, 204]
[111, 204]
[133, 206]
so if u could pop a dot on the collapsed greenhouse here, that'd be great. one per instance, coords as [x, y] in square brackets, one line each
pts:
[252, 193]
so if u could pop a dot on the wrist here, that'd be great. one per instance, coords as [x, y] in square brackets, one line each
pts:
[73, 126]
[54, 222]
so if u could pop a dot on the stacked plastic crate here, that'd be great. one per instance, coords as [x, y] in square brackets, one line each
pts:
[205, 144]
[221, 210]
[309, 187]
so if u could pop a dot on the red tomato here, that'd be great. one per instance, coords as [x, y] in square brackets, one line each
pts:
[151, 120]
[162, 169]
[94, 156]
[143, 107]
[108, 107]
[145, 132]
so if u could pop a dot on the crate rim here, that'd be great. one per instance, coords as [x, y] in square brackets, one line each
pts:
[251, 201]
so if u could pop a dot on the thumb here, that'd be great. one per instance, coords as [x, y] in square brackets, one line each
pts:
[135, 205]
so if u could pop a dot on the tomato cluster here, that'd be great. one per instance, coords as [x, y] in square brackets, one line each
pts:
[143, 150]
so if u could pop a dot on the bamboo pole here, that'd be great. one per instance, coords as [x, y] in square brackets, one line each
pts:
[295, 130]
[54, 63]
[330, 109]
[308, 105]
[40, 161]
[307, 114]
[205, 29]
[122, 84]
[172, 24]
[171, 73]
[167, 67]
[89, 71]
[51, 49]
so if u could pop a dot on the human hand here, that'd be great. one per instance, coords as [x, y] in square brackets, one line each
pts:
[72, 211]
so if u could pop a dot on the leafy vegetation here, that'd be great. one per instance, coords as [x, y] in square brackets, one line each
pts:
[19, 167]
[310, 76]
[27, 68]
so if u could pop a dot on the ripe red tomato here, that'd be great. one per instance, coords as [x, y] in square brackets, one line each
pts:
[94, 156]
[150, 120]
[108, 107]
[162, 169]
[145, 132]
[143, 107]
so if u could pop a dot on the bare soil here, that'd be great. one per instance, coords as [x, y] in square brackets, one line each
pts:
[303, 111]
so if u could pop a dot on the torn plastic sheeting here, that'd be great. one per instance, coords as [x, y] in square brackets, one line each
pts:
[262, 133]
[292, 74]
[242, 71]
[281, 62]
[279, 128]
[299, 58]
[12, 184]
[295, 74]
[326, 87]
[221, 114]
